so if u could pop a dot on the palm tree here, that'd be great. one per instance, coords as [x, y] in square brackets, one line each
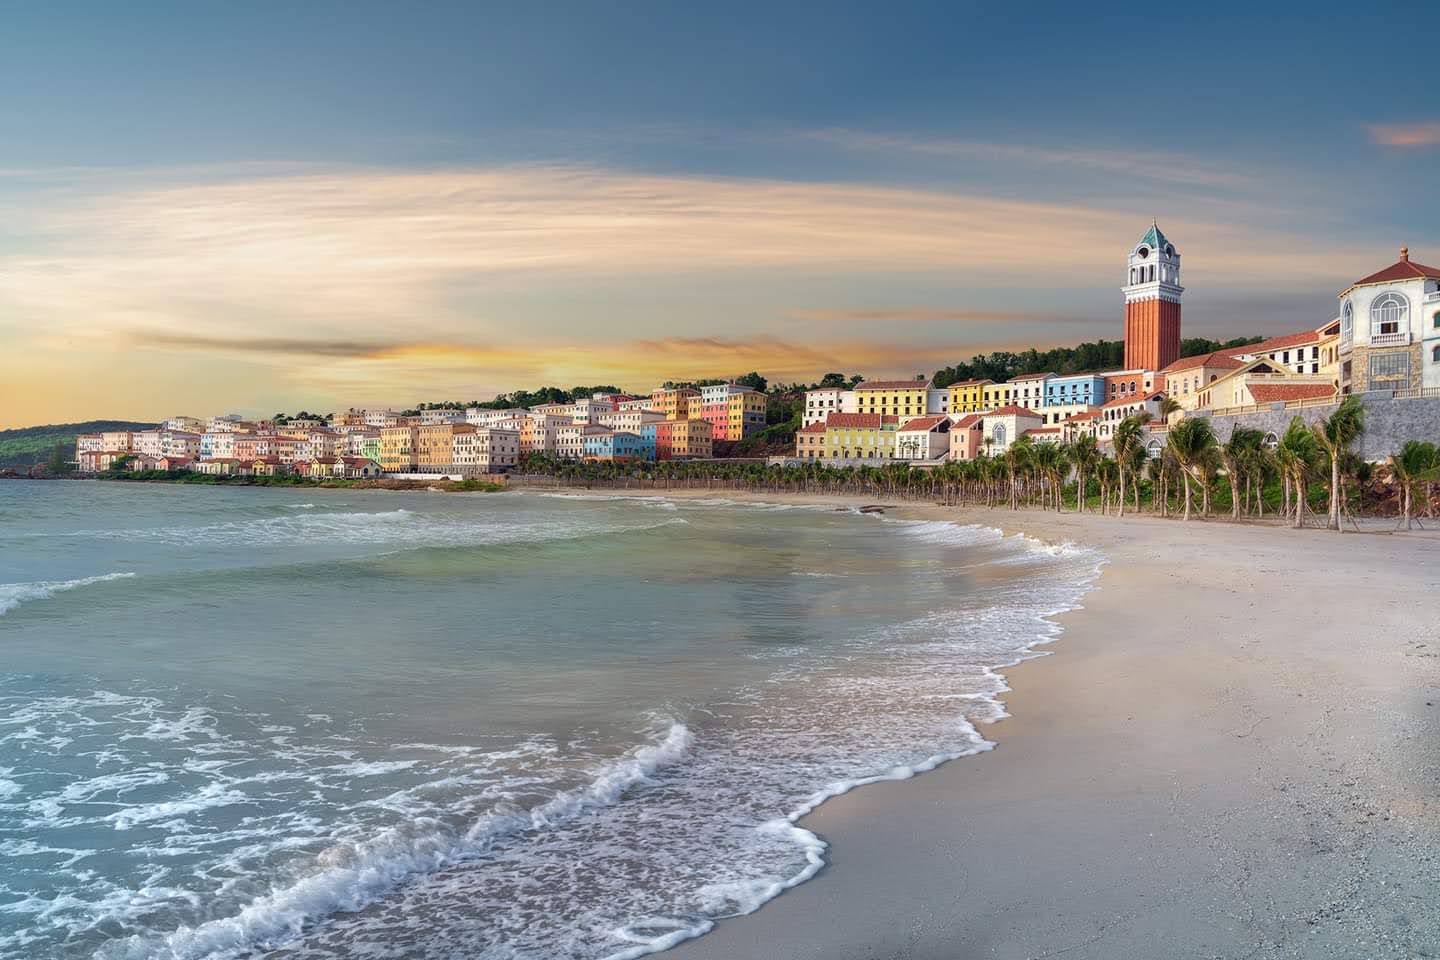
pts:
[1298, 453]
[1417, 462]
[1335, 434]
[1235, 454]
[1126, 441]
[1017, 456]
[1084, 453]
[1191, 439]
[1168, 405]
[1135, 462]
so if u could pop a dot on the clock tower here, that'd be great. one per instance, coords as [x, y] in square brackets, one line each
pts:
[1152, 303]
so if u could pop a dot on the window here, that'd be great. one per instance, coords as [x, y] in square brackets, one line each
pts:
[1271, 441]
[1347, 322]
[1435, 354]
[1388, 314]
[1435, 320]
[999, 433]
[1390, 366]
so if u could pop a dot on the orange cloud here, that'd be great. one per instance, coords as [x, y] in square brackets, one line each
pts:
[1426, 134]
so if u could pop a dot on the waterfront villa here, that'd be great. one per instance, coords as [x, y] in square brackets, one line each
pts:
[1390, 329]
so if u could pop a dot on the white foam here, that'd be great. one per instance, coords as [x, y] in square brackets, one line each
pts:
[14, 594]
[351, 876]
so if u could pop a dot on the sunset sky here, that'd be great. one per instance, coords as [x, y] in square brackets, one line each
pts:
[209, 208]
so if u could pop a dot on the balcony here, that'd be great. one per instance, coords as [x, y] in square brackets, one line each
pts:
[1433, 297]
[1390, 339]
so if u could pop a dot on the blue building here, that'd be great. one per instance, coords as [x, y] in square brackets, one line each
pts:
[619, 445]
[1086, 388]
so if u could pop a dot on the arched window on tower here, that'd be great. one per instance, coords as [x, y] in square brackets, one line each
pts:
[1347, 322]
[1388, 315]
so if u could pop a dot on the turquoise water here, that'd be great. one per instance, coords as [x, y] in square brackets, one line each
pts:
[256, 722]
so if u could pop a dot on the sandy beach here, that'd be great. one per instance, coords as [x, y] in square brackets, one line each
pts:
[1231, 752]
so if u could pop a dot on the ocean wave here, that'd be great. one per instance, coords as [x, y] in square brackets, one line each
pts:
[352, 875]
[14, 594]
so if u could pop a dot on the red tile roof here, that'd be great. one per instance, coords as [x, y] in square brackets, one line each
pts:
[1087, 415]
[925, 423]
[893, 384]
[1284, 342]
[1224, 361]
[1031, 376]
[1271, 392]
[857, 421]
[1402, 269]
[818, 427]
[968, 421]
[1011, 410]
[1036, 431]
[970, 383]
[1136, 398]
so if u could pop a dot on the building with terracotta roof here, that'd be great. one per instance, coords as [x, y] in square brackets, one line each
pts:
[967, 436]
[1004, 426]
[1314, 351]
[923, 438]
[894, 398]
[1390, 329]
[995, 395]
[1109, 417]
[1252, 381]
[860, 436]
[1028, 390]
[1121, 383]
[810, 441]
[1185, 378]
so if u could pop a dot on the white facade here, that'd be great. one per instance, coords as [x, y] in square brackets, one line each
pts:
[1029, 391]
[217, 444]
[1394, 314]
[937, 400]
[570, 441]
[442, 416]
[485, 417]
[819, 404]
[928, 442]
[1004, 427]
[485, 450]
[179, 443]
[1153, 269]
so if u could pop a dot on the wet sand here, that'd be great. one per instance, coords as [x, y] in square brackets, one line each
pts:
[1232, 752]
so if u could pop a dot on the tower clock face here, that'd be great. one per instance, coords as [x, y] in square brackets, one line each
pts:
[1143, 252]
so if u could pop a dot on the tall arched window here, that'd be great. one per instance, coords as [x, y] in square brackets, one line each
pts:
[1388, 314]
[1271, 441]
[1153, 448]
[1347, 322]
[999, 434]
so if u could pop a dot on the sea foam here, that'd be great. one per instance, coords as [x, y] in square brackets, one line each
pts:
[14, 594]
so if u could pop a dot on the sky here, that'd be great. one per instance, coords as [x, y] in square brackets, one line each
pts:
[259, 207]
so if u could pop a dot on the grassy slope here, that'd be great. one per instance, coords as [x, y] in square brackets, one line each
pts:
[27, 445]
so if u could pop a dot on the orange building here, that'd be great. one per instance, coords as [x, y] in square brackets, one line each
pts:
[684, 440]
[676, 403]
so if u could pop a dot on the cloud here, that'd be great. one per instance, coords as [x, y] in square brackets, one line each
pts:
[1425, 134]
[262, 345]
[932, 315]
[1131, 164]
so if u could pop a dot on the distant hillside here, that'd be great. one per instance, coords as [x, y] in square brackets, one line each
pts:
[30, 445]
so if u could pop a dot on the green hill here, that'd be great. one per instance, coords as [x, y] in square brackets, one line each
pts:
[31, 445]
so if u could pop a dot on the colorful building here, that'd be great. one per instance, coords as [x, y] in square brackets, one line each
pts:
[1075, 389]
[674, 403]
[820, 403]
[683, 440]
[1029, 390]
[397, 449]
[810, 441]
[602, 443]
[894, 398]
[1185, 378]
[968, 396]
[997, 395]
[860, 436]
[967, 437]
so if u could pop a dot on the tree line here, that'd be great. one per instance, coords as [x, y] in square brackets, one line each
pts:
[1310, 475]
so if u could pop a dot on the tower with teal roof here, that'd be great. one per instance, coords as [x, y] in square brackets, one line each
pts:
[1152, 303]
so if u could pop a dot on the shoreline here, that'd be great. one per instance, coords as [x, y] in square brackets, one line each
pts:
[1210, 763]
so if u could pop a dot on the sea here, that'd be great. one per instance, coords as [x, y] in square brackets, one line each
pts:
[286, 723]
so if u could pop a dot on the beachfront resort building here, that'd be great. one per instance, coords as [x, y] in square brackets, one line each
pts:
[968, 396]
[820, 403]
[734, 412]
[860, 436]
[894, 398]
[923, 438]
[1184, 379]
[1389, 336]
[683, 440]
[1004, 426]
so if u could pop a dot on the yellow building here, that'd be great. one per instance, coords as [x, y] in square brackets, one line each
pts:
[892, 398]
[435, 445]
[810, 441]
[397, 449]
[860, 436]
[993, 396]
[745, 413]
[968, 396]
[689, 439]
[675, 404]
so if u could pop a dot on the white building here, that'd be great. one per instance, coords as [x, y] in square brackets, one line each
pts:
[443, 416]
[1006, 425]
[1029, 390]
[819, 404]
[486, 450]
[217, 444]
[923, 438]
[1390, 329]
[570, 441]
